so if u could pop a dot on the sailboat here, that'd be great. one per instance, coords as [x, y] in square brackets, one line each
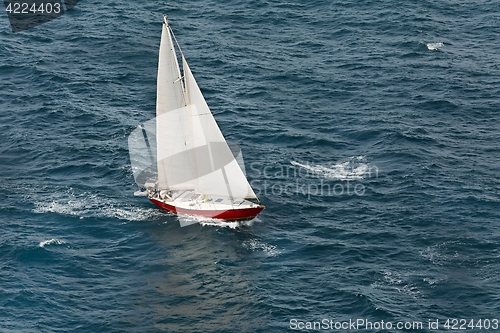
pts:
[197, 173]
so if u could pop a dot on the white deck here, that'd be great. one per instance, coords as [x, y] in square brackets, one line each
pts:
[194, 201]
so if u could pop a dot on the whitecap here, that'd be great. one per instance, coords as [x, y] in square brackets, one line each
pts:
[395, 281]
[51, 241]
[354, 168]
[256, 245]
[430, 281]
[434, 46]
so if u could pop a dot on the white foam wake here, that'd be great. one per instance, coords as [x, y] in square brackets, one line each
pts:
[186, 220]
[226, 224]
[90, 205]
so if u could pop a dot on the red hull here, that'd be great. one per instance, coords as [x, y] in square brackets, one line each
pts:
[232, 214]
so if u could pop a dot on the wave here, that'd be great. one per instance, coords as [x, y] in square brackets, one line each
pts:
[86, 205]
[434, 46]
[256, 245]
[393, 280]
[185, 220]
[225, 224]
[51, 241]
[354, 168]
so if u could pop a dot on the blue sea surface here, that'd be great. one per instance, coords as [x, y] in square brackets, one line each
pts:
[369, 129]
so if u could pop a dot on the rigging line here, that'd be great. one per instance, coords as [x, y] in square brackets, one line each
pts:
[175, 39]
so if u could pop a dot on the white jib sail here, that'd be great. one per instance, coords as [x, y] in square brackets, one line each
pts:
[216, 170]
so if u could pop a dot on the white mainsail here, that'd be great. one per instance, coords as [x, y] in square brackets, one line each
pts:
[170, 93]
[172, 137]
[192, 152]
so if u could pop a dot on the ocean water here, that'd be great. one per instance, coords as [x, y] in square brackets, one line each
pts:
[370, 130]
